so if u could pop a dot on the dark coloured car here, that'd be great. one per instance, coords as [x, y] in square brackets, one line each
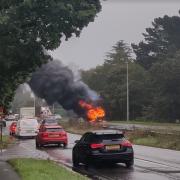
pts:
[51, 134]
[103, 146]
[2, 122]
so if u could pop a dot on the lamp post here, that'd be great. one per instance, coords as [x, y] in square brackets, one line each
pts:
[127, 88]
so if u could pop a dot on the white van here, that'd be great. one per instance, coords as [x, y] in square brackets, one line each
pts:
[27, 127]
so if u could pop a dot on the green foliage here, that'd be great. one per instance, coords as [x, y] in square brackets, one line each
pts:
[161, 40]
[30, 169]
[28, 28]
[165, 77]
[109, 80]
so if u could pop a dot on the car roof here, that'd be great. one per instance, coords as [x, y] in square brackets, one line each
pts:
[101, 132]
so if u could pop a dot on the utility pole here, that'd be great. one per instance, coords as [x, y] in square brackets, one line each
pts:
[127, 75]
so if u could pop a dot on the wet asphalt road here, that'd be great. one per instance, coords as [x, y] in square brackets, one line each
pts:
[150, 163]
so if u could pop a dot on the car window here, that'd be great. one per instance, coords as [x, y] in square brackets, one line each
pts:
[49, 121]
[84, 137]
[53, 129]
[29, 123]
[101, 137]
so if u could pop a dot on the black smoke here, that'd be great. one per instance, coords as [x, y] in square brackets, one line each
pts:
[55, 82]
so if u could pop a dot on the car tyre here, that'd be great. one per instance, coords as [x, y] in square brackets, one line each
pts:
[75, 160]
[37, 145]
[129, 163]
[64, 145]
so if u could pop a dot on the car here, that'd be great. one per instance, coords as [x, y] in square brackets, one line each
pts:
[49, 121]
[103, 146]
[10, 117]
[26, 127]
[12, 128]
[51, 134]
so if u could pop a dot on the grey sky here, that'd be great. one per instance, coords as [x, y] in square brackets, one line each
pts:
[119, 20]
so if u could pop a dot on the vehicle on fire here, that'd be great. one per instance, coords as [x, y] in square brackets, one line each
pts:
[51, 134]
[103, 146]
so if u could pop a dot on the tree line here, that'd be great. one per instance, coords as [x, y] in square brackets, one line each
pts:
[154, 75]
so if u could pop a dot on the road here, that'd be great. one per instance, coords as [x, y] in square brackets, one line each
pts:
[150, 163]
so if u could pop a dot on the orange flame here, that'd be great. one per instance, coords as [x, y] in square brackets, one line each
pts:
[93, 113]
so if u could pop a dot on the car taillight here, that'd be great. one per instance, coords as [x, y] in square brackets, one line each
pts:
[126, 143]
[63, 134]
[96, 146]
[44, 134]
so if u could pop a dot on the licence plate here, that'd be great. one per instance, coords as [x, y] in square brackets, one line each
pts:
[29, 131]
[113, 147]
[53, 135]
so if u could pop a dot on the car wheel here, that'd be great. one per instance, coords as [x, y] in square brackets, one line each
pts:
[64, 145]
[75, 160]
[37, 145]
[129, 164]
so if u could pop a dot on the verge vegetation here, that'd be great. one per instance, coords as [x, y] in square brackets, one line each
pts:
[162, 139]
[30, 169]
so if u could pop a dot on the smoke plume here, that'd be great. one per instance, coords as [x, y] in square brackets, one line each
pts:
[55, 82]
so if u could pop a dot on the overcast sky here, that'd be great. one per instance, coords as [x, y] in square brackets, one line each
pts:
[119, 20]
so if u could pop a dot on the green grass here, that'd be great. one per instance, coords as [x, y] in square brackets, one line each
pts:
[32, 169]
[147, 137]
[6, 140]
[167, 141]
[153, 125]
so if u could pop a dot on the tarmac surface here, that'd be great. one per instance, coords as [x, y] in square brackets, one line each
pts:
[150, 163]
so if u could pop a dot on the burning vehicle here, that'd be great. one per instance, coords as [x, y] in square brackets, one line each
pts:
[55, 82]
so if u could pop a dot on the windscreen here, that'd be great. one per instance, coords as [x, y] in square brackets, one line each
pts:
[29, 123]
[104, 137]
[54, 129]
[50, 121]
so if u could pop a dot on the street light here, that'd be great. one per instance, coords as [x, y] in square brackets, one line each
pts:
[127, 83]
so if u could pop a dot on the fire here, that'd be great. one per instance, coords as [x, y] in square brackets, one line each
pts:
[93, 113]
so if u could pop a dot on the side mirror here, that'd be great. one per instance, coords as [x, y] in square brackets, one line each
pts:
[76, 141]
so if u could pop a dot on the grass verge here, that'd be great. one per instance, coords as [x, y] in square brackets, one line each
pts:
[6, 140]
[139, 137]
[154, 139]
[31, 169]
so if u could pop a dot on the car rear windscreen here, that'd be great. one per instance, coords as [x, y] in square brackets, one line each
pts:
[49, 121]
[54, 129]
[28, 123]
[102, 137]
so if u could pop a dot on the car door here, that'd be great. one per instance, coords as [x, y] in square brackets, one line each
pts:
[83, 147]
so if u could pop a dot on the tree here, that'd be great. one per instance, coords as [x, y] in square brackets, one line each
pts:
[161, 40]
[109, 80]
[28, 28]
[165, 77]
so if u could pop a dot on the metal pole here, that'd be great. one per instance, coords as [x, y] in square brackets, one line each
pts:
[127, 91]
[1, 136]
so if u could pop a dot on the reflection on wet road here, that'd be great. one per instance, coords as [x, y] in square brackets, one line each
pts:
[150, 163]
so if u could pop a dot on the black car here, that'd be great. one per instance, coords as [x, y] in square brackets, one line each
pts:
[103, 146]
[2, 123]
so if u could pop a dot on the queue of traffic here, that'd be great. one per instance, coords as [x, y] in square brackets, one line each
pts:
[95, 146]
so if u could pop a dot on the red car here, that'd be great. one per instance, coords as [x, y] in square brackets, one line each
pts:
[54, 134]
[12, 128]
